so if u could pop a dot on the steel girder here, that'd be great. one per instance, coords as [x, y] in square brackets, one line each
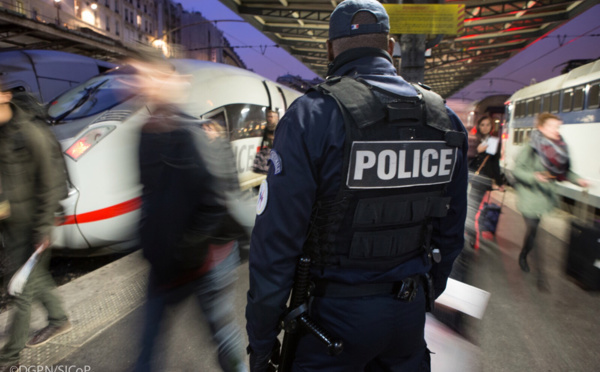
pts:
[494, 31]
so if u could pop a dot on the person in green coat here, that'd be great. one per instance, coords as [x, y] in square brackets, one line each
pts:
[32, 184]
[538, 166]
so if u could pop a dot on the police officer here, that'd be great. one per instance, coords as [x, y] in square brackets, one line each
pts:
[368, 178]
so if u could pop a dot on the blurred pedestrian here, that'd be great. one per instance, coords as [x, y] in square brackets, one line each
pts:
[537, 168]
[261, 161]
[484, 170]
[186, 233]
[33, 182]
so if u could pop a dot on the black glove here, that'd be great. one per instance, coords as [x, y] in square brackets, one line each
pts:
[262, 362]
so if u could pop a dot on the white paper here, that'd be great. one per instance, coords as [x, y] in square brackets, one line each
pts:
[492, 143]
[464, 298]
[18, 281]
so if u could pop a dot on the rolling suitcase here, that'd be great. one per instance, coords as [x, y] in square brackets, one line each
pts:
[583, 255]
[486, 219]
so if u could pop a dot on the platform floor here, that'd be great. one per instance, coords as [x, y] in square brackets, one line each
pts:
[522, 329]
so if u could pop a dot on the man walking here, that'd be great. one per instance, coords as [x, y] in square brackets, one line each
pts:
[33, 185]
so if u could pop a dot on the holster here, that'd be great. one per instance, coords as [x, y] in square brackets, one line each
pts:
[429, 293]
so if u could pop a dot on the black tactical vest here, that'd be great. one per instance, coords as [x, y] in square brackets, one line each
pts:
[399, 155]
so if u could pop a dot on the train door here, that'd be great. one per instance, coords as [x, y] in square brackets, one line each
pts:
[244, 124]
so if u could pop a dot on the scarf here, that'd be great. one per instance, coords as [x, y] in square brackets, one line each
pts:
[553, 154]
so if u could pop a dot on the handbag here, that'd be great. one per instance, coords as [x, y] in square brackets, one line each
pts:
[482, 164]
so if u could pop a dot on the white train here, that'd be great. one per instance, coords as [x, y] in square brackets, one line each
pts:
[575, 98]
[98, 124]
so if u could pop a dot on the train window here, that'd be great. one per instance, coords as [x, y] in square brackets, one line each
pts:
[537, 103]
[530, 107]
[555, 102]
[567, 101]
[578, 99]
[246, 120]
[521, 135]
[594, 96]
[546, 103]
[96, 95]
[520, 109]
[518, 136]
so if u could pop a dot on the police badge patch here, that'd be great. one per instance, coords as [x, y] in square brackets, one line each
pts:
[276, 161]
[392, 164]
[263, 195]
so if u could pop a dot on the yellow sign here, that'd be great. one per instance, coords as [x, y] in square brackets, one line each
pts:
[447, 19]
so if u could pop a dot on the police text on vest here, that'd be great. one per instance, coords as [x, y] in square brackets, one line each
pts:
[400, 164]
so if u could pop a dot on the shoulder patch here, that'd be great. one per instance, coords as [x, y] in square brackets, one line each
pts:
[276, 161]
[263, 196]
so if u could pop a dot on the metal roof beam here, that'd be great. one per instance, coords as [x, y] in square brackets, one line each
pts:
[537, 17]
[308, 14]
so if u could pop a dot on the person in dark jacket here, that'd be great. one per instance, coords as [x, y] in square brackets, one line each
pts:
[33, 186]
[187, 171]
[297, 213]
[538, 166]
[484, 170]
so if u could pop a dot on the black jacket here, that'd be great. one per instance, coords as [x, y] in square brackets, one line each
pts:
[183, 196]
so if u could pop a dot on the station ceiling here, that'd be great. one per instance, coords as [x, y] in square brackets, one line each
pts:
[494, 31]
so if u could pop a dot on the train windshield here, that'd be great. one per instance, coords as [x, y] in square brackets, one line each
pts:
[95, 95]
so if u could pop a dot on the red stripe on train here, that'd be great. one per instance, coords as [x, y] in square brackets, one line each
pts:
[105, 213]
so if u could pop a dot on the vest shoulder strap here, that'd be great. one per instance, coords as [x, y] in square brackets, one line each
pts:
[357, 101]
[436, 116]
[361, 104]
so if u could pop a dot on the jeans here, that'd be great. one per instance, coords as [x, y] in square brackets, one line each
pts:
[529, 244]
[40, 287]
[213, 291]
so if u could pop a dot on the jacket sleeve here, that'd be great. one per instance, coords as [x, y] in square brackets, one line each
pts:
[50, 180]
[448, 232]
[280, 230]
[573, 177]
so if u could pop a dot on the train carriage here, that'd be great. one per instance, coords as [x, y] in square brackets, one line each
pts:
[575, 98]
[98, 126]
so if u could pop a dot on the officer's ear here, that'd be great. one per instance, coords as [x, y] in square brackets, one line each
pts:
[330, 55]
[391, 43]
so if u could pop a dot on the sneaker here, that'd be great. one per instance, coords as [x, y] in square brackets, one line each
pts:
[48, 333]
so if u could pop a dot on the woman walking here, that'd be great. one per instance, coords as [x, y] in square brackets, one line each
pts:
[538, 167]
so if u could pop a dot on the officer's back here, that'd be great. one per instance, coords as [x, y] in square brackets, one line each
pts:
[368, 180]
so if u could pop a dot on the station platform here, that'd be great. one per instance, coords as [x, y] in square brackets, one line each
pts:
[521, 330]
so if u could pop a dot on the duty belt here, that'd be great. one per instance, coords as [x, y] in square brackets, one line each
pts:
[404, 290]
